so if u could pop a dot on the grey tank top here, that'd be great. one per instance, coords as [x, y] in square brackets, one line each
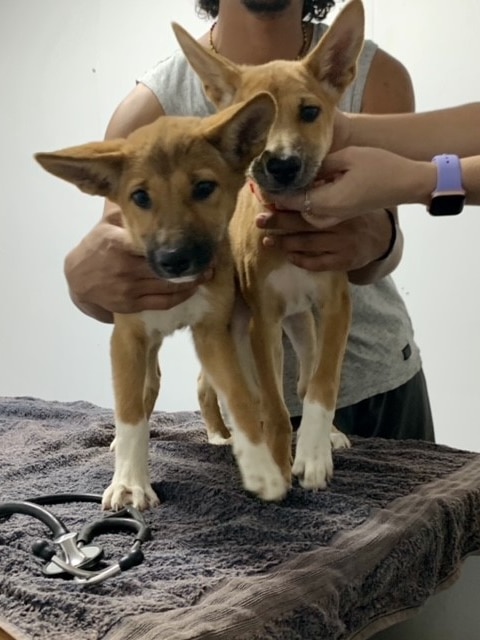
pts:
[381, 353]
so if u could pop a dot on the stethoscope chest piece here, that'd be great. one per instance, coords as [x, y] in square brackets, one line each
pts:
[68, 553]
[71, 554]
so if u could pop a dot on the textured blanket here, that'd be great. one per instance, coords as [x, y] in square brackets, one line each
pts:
[395, 523]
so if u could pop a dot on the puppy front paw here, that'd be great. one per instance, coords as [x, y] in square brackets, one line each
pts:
[313, 462]
[140, 495]
[260, 473]
[314, 469]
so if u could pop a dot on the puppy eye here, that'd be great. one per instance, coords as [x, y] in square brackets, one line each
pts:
[203, 189]
[141, 198]
[309, 113]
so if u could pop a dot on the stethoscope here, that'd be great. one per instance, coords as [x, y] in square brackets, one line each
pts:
[70, 554]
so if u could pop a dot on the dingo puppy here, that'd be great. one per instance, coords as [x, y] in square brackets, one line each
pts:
[176, 181]
[314, 309]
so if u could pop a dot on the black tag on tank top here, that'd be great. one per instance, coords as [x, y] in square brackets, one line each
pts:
[407, 352]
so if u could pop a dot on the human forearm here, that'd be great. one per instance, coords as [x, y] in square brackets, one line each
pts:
[77, 279]
[416, 181]
[471, 178]
[419, 136]
[78, 282]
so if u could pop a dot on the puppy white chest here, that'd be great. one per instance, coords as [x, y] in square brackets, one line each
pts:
[186, 314]
[299, 289]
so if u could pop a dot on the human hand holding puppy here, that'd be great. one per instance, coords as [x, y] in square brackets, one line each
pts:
[106, 276]
[357, 180]
[379, 161]
[347, 246]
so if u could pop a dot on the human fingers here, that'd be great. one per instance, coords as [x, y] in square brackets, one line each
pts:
[159, 302]
[337, 194]
[319, 262]
[283, 221]
[148, 294]
[311, 243]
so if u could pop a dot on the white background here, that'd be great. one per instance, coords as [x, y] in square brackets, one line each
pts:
[65, 65]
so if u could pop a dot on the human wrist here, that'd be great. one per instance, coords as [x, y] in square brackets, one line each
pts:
[471, 178]
[423, 178]
[92, 310]
[361, 130]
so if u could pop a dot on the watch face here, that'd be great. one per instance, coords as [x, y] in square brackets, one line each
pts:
[447, 205]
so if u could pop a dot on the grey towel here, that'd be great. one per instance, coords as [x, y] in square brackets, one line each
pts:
[396, 522]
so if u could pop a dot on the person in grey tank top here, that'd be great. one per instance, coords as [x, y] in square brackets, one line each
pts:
[383, 391]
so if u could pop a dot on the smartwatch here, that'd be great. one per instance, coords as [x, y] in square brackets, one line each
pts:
[449, 195]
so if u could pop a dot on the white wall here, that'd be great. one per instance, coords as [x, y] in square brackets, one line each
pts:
[66, 64]
[439, 274]
[64, 67]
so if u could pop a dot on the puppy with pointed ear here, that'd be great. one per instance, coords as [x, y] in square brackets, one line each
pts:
[332, 62]
[102, 168]
[306, 91]
[149, 171]
[281, 296]
[176, 181]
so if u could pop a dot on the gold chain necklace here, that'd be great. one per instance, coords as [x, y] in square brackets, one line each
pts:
[307, 36]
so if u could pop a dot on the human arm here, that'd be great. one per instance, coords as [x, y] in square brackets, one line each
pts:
[418, 136]
[388, 90]
[103, 272]
[366, 178]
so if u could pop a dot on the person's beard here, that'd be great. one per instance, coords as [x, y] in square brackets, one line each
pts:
[266, 7]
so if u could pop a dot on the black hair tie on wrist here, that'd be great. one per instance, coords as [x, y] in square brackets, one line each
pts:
[393, 237]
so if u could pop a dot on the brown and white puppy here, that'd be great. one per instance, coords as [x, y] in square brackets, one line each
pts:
[313, 308]
[176, 182]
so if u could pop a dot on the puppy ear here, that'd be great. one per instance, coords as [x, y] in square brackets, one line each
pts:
[240, 132]
[219, 76]
[334, 60]
[94, 168]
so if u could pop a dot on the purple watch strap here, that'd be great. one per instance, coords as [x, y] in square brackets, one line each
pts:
[449, 173]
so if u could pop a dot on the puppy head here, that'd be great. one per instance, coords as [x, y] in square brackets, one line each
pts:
[175, 180]
[306, 92]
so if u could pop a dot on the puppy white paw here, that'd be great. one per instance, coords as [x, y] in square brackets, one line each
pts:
[218, 440]
[260, 474]
[339, 440]
[313, 463]
[131, 480]
[313, 469]
[119, 495]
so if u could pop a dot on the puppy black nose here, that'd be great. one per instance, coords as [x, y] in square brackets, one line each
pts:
[182, 261]
[283, 170]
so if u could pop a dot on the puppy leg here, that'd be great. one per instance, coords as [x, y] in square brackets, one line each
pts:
[152, 377]
[217, 432]
[131, 481]
[214, 414]
[266, 342]
[302, 332]
[313, 462]
[260, 473]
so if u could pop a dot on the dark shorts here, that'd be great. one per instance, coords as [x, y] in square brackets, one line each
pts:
[403, 413]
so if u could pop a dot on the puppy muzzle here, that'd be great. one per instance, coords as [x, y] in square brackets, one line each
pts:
[181, 262]
[279, 173]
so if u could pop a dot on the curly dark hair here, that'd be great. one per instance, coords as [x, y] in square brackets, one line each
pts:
[313, 10]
